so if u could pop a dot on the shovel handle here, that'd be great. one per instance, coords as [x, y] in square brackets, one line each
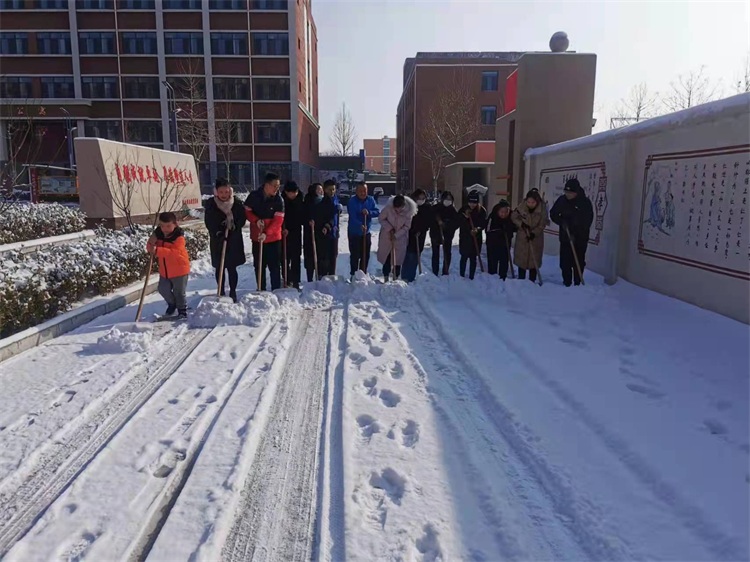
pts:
[145, 284]
[221, 262]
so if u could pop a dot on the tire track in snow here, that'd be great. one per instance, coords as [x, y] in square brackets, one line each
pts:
[582, 524]
[283, 475]
[722, 545]
[61, 461]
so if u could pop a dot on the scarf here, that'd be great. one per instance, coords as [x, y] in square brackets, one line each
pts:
[226, 208]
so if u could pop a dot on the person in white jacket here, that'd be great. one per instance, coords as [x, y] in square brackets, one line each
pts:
[395, 223]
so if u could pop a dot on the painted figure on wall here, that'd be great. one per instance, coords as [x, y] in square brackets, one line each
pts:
[669, 207]
[656, 211]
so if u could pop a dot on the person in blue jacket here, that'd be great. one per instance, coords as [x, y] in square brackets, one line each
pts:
[362, 209]
[329, 189]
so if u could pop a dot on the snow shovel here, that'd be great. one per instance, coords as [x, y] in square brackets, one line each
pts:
[536, 263]
[137, 326]
[260, 261]
[286, 289]
[510, 260]
[365, 255]
[476, 245]
[575, 255]
[315, 250]
[219, 297]
[393, 256]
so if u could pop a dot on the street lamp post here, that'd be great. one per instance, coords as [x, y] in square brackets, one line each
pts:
[69, 135]
[172, 102]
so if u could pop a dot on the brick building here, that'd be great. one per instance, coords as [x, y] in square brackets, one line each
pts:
[244, 74]
[424, 77]
[380, 155]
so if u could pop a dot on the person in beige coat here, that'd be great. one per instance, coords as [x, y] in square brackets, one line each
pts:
[395, 222]
[530, 217]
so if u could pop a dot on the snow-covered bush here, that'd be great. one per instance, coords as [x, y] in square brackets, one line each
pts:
[38, 286]
[21, 222]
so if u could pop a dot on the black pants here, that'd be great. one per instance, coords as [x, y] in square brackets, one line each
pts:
[293, 259]
[446, 251]
[472, 266]
[567, 262]
[356, 259]
[333, 256]
[387, 268]
[497, 261]
[522, 274]
[231, 273]
[323, 249]
[271, 261]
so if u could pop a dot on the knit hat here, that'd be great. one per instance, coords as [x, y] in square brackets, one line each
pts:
[291, 186]
[572, 185]
[473, 197]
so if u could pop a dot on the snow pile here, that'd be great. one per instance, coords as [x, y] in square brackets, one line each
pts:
[23, 222]
[315, 299]
[137, 338]
[253, 310]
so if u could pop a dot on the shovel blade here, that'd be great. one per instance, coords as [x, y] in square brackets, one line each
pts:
[133, 327]
[225, 300]
[334, 278]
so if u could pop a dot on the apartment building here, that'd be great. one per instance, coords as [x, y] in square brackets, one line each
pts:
[237, 79]
[380, 155]
[425, 77]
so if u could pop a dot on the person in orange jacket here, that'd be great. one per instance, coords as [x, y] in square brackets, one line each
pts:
[167, 245]
[264, 209]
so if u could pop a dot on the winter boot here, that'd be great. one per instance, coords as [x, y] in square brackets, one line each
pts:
[182, 314]
[170, 310]
[233, 296]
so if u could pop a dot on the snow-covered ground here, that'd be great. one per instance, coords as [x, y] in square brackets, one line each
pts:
[445, 420]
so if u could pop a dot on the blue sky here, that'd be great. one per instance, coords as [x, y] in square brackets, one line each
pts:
[362, 45]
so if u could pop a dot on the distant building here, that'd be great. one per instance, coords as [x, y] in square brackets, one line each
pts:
[424, 74]
[380, 155]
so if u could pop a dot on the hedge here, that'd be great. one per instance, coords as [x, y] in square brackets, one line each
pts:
[23, 221]
[38, 286]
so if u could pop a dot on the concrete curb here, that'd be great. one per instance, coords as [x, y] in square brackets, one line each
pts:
[32, 337]
[28, 246]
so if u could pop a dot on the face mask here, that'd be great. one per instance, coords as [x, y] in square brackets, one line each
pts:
[447, 202]
[420, 202]
[318, 198]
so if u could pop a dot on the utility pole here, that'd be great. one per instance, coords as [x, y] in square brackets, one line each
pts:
[69, 136]
[172, 103]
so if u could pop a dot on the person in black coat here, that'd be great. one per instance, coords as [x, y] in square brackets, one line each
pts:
[224, 212]
[500, 231]
[472, 220]
[319, 213]
[420, 225]
[294, 221]
[574, 213]
[442, 231]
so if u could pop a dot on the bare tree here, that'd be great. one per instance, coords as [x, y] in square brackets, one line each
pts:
[25, 136]
[691, 89]
[742, 82]
[227, 135]
[639, 105]
[451, 122]
[192, 109]
[344, 135]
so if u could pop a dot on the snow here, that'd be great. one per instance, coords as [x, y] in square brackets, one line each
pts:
[121, 339]
[711, 110]
[448, 419]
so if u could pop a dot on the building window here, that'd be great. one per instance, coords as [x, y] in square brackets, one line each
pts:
[12, 4]
[57, 87]
[183, 43]
[53, 43]
[229, 43]
[52, 5]
[144, 132]
[489, 114]
[192, 88]
[140, 87]
[95, 4]
[138, 43]
[182, 4]
[236, 132]
[99, 87]
[137, 4]
[96, 43]
[269, 5]
[231, 88]
[109, 130]
[271, 89]
[227, 4]
[14, 43]
[270, 44]
[277, 132]
[18, 87]
[489, 81]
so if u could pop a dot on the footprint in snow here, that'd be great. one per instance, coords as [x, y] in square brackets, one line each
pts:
[363, 324]
[391, 482]
[384, 337]
[397, 370]
[65, 397]
[410, 434]
[368, 426]
[370, 385]
[715, 427]
[428, 545]
[376, 351]
[389, 398]
[575, 342]
[646, 391]
[357, 358]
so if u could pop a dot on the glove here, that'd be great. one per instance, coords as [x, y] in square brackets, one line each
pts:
[262, 237]
[364, 229]
[260, 224]
[220, 236]
[531, 236]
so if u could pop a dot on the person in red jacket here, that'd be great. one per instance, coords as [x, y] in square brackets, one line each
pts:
[167, 245]
[264, 209]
